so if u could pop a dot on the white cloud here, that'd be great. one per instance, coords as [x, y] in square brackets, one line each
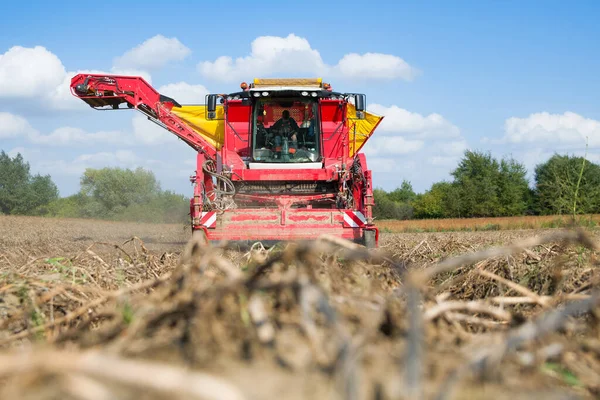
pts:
[406, 136]
[69, 136]
[412, 146]
[273, 55]
[385, 66]
[453, 148]
[77, 166]
[117, 158]
[399, 120]
[383, 153]
[184, 93]
[530, 157]
[535, 138]
[148, 133]
[29, 72]
[25, 152]
[384, 165]
[126, 72]
[142, 132]
[12, 125]
[153, 53]
[38, 74]
[269, 55]
[568, 128]
[392, 145]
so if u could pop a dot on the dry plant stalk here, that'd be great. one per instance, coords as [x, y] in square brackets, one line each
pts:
[139, 374]
[354, 312]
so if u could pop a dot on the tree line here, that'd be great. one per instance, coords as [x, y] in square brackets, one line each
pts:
[107, 193]
[483, 186]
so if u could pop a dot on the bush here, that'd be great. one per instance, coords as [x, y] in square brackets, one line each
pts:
[387, 208]
[121, 195]
[165, 207]
[67, 207]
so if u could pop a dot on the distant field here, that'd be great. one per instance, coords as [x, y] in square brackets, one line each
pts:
[485, 224]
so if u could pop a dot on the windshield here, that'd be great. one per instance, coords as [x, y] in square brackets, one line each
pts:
[285, 130]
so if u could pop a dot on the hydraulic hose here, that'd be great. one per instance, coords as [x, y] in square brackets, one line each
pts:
[226, 181]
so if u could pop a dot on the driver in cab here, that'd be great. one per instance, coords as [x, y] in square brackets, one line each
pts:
[286, 126]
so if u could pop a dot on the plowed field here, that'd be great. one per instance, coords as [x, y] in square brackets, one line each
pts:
[104, 310]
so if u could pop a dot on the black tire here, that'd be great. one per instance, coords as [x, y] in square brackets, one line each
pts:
[369, 239]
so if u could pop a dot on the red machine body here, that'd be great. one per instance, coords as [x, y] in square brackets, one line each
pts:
[260, 179]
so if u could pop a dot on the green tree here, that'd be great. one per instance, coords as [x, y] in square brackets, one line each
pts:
[115, 189]
[432, 203]
[488, 188]
[387, 208]
[123, 194]
[74, 206]
[513, 190]
[451, 197]
[403, 194]
[20, 192]
[557, 190]
[384, 207]
[476, 177]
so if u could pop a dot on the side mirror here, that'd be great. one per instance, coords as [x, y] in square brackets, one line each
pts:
[211, 106]
[360, 101]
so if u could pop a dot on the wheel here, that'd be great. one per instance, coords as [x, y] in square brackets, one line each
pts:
[369, 239]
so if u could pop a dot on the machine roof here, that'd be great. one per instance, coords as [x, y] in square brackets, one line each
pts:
[291, 82]
[284, 92]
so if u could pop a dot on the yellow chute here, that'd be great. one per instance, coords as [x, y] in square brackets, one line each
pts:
[360, 130]
[211, 130]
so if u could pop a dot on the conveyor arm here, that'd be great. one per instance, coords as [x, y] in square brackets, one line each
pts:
[100, 91]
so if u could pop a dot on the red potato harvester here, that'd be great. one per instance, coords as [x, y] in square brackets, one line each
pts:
[278, 160]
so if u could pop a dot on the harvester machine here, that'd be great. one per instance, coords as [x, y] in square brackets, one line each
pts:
[278, 160]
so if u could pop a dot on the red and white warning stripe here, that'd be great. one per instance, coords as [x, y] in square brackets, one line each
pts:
[354, 219]
[209, 219]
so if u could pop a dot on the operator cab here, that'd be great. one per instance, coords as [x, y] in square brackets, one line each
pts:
[285, 130]
[278, 123]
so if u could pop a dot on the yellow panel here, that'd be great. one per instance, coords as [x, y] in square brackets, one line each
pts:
[258, 82]
[212, 131]
[360, 130]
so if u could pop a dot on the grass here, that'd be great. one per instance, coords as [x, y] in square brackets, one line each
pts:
[486, 224]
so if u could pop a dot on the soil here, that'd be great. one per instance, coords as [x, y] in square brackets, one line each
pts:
[112, 310]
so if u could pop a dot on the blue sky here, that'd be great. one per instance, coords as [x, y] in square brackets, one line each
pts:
[515, 78]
